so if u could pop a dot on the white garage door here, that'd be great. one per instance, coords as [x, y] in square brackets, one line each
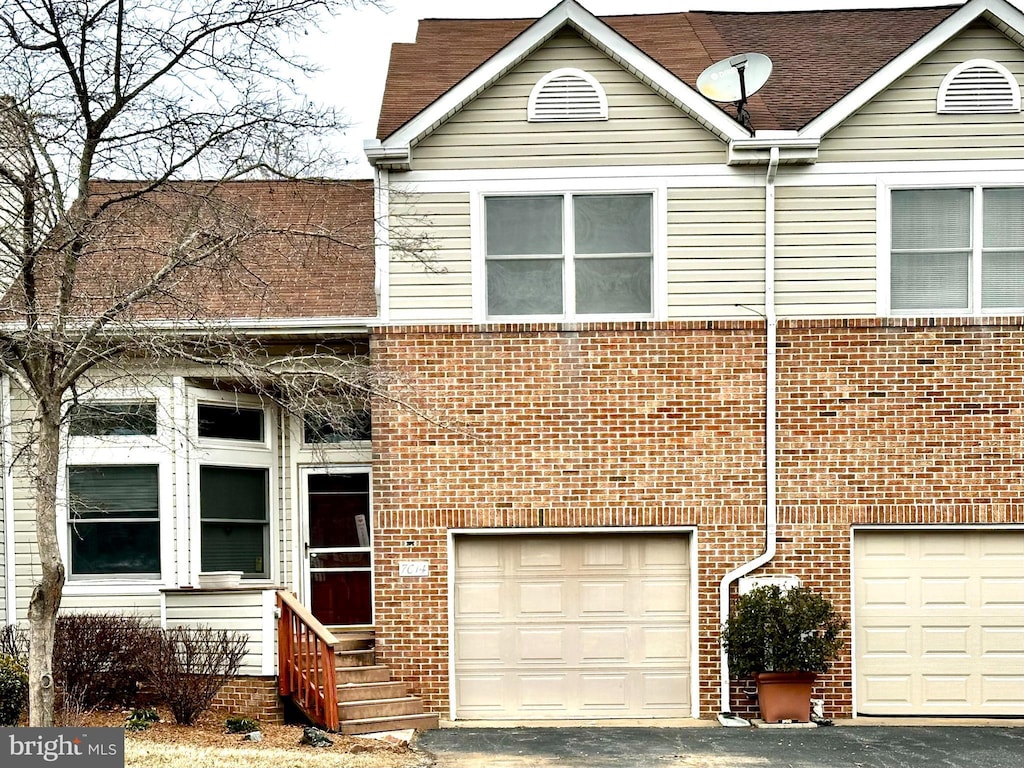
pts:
[572, 626]
[940, 622]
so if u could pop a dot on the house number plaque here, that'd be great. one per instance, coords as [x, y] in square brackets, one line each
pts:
[416, 568]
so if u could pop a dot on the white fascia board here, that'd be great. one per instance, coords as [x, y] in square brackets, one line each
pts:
[996, 10]
[596, 32]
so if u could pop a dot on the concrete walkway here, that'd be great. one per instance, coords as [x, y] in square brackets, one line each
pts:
[836, 747]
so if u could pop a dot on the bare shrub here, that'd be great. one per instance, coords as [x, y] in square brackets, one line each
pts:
[14, 643]
[191, 664]
[100, 660]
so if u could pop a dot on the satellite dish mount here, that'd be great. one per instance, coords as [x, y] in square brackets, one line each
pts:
[734, 80]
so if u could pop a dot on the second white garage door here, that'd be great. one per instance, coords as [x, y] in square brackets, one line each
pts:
[572, 626]
[940, 622]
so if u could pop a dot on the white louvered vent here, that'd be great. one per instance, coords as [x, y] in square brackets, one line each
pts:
[979, 86]
[567, 95]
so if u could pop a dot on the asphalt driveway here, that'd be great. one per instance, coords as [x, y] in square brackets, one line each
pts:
[837, 747]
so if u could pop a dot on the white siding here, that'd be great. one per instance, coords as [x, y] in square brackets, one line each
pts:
[901, 123]
[825, 251]
[492, 130]
[239, 610]
[430, 271]
[716, 253]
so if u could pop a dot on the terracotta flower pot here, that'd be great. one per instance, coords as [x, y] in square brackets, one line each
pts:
[785, 696]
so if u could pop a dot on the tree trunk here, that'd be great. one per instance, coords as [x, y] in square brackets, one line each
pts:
[45, 601]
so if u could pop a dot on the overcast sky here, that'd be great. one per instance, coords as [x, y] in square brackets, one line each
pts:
[353, 47]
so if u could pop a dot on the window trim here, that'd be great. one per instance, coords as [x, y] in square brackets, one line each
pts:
[122, 450]
[883, 272]
[242, 454]
[541, 188]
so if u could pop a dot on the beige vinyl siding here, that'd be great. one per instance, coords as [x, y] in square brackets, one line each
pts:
[716, 252]
[492, 131]
[145, 606]
[901, 123]
[26, 570]
[238, 610]
[825, 251]
[430, 271]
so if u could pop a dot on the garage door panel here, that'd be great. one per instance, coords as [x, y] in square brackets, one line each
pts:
[945, 640]
[885, 592]
[662, 690]
[949, 648]
[887, 641]
[1002, 641]
[604, 644]
[581, 629]
[603, 554]
[603, 692]
[480, 645]
[944, 592]
[1004, 592]
[664, 597]
[664, 645]
[604, 598]
[541, 646]
[1003, 690]
[541, 598]
[540, 555]
[479, 599]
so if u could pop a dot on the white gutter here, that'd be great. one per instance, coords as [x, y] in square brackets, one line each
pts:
[770, 462]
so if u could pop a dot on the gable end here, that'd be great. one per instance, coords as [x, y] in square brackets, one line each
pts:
[978, 86]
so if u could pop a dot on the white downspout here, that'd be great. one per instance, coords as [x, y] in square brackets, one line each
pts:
[7, 433]
[771, 513]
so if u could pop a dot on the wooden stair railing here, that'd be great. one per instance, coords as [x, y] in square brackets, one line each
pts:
[306, 660]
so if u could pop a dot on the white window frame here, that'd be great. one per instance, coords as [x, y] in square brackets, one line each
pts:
[542, 188]
[241, 454]
[122, 450]
[884, 260]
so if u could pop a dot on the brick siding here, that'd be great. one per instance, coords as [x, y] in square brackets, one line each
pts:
[880, 421]
[254, 697]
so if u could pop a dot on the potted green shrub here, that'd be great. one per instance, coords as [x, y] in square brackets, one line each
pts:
[783, 638]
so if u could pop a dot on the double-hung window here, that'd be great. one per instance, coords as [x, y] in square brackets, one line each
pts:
[115, 483]
[569, 255]
[234, 485]
[957, 250]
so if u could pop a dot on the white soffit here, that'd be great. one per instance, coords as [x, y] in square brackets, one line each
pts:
[601, 36]
[1005, 17]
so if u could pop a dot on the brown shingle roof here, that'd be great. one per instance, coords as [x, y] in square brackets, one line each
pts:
[818, 56]
[304, 249]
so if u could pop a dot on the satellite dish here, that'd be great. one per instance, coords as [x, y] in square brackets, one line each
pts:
[734, 79]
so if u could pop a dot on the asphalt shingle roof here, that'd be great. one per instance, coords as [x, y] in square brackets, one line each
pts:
[818, 56]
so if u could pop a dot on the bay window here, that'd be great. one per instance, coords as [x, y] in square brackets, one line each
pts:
[957, 250]
[569, 255]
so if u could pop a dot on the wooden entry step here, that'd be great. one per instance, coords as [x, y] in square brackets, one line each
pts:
[369, 701]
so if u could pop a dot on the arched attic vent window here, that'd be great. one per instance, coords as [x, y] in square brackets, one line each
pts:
[979, 86]
[567, 95]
